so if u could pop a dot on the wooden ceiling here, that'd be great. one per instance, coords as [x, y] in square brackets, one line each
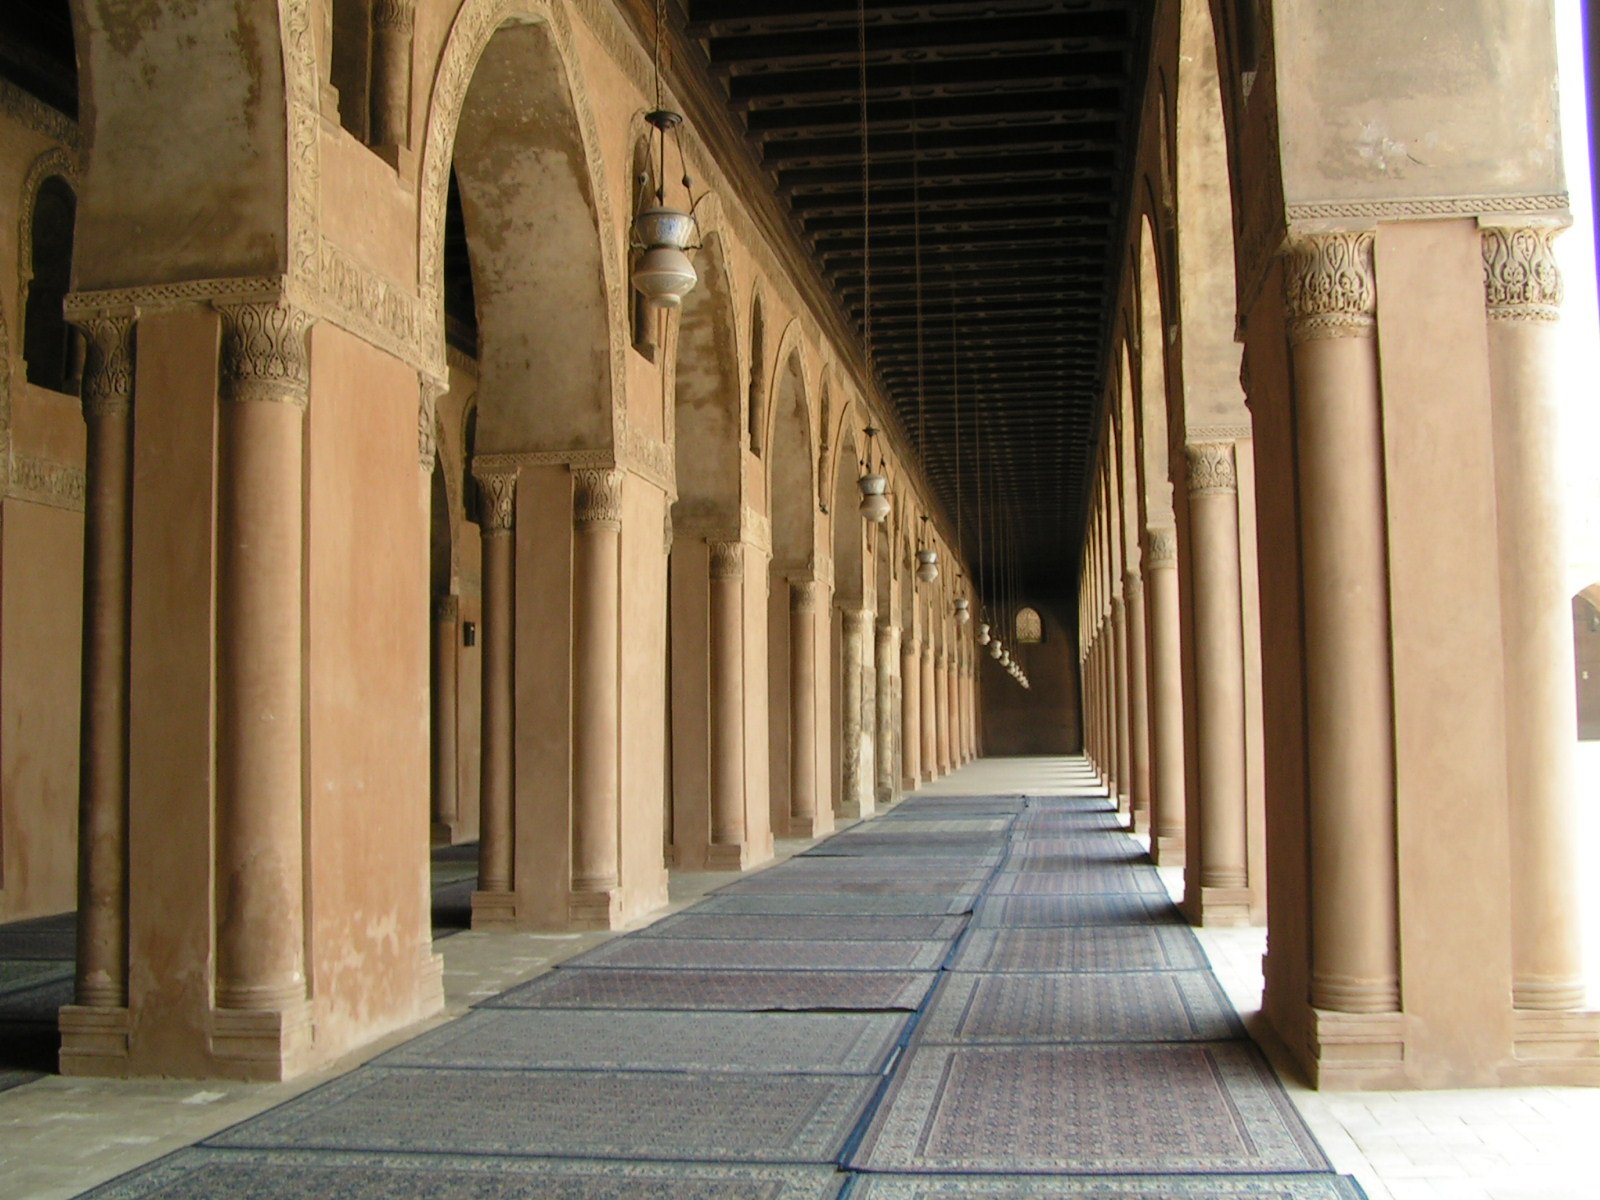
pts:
[1000, 134]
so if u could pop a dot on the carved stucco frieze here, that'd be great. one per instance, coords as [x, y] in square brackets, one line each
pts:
[498, 492]
[1329, 286]
[596, 498]
[108, 364]
[727, 560]
[1521, 279]
[1211, 468]
[1162, 548]
[46, 482]
[264, 355]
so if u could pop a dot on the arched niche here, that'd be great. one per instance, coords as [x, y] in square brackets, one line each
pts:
[533, 240]
[706, 399]
[756, 405]
[1152, 390]
[49, 347]
[789, 481]
[849, 578]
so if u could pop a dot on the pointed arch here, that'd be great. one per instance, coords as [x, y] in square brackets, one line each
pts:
[706, 406]
[791, 465]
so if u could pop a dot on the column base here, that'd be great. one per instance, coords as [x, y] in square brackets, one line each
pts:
[1358, 1051]
[494, 910]
[1219, 907]
[856, 811]
[598, 909]
[728, 856]
[1553, 1049]
[262, 1044]
[1168, 851]
[94, 1040]
[442, 833]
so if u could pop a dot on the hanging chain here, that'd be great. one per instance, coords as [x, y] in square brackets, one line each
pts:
[955, 382]
[916, 244]
[866, 185]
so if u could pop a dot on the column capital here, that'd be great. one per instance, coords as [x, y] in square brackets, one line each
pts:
[108, 364]
[1132, 581]
[853, 618]
[394, 14]
[447, 608]
[1329, 286]
[727, 559]
[499, 492]
[1211, 468]
[596, 498]
[427, 442]
[805, 595]
[910, 645]
[1162, 546]
[1521, 279]
[264, 355]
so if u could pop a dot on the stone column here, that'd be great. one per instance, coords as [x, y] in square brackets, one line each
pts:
[1167, 817]
[392, 22]
[726, 645]
[1219, 683]
[597, 526]
[853, 624]
[1119, 709]
[102, 978]
[1138, 703]
[446, 623]
[888, 661]
[910, 711]
[1349, 700]
[1523, 294]
[803, 606]
[493, 901]
[941, 708]
[260, 925]
[930, 745]
[957, 757]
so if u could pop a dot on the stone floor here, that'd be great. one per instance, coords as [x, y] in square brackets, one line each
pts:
[59, 1136]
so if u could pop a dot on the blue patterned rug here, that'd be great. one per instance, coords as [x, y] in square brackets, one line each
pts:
[1107, 1187]
[767, 954]
[1089, 879]
[1148, 1006]
[596, 1040]
[834, 928]
[835, 903]
[1082, 948]
[569, 1114]
[736, 991]
[1202, 1107]
[204, 1173]
[41, 937]
[1079, 908]
[773, 883]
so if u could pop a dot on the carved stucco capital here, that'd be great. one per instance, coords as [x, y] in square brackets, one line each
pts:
[852, 619]
[447, 609]
[427, 442]
[1329, 286]
[596, 498]
[108, 364]
[395, 15]
[1162, 548]
[264, 353]
[498, 490]
[1211, 468]
[804, 596]
[910, 645]
[1521, 279]
[727, 560]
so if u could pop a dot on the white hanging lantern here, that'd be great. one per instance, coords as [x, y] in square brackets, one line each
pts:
[996, 649]
[664, 275]
[963, 612]
[875, 503]
[927, 565]
[983, 633]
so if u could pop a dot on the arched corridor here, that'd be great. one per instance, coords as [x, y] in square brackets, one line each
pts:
[478, 475]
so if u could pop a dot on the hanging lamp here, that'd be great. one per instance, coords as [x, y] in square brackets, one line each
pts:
[963, 610]
[874, 485]
[927, 557]
[663, 274]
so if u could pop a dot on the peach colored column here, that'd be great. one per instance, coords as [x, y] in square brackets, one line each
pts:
[726, 621]
[1523, 294]
[1138, 703]
[446, 624]
[853, 626]
[102, 972]
[392, 22]
[1167, 832]
[887, 662]
[1349, 702]
[497, 523]
[261, 444]
[597, 523]
[910, 711]
[1219, 673]
[1120, 713]
[941, 707]
[803, 607]
[930, 745]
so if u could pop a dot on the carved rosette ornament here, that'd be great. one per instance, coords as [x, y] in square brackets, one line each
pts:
[1521, 281]
[727, 560]
[804, 595]
[1211, 469]
[108, 364]
[497, 491]
[1329, 287]
[1162, 550]
[596, 498]
[264, 356]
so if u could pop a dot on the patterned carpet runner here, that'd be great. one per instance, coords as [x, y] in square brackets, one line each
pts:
[973, 996]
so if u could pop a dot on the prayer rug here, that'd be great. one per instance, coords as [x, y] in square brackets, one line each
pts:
[949, 870]
[1091, 1109]
[38, 1003]
[736, 991]
[17, 975]
[986, 854]
[1115, 908]
[830, 928]
[1082, 948]
[764, 955]
[206, 1173]
[1185, 1006]
[569, 1114]
[41, 937]
[1089, 879]
[833, 903]
[1107, 1187]
[917, 822]
[10, 1078]
[579, 1039]
[791, 883]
